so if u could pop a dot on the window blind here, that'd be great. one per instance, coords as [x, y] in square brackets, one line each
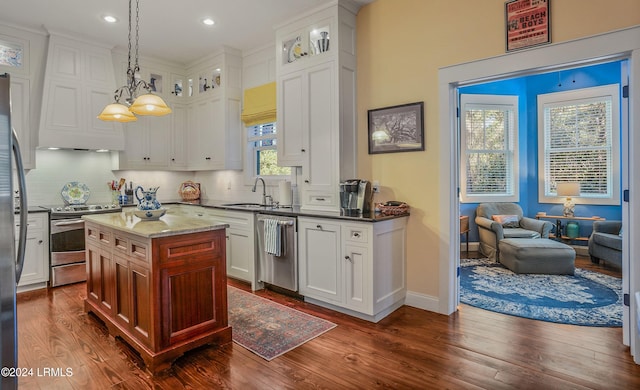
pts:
[259, 105]
[579, 145]
[488, 135]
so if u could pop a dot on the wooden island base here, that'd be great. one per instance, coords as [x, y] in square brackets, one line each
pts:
[161, 361]
[162, 293]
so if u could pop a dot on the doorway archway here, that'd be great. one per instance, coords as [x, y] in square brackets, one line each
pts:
[623, 44]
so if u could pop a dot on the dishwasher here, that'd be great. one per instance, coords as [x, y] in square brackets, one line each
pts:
[280, 271]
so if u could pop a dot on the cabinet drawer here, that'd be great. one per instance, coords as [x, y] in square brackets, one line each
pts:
[320, 199]
[33, 222]
[97, 235]
[355, 234]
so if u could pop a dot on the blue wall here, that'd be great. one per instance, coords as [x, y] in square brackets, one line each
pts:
[527, 89]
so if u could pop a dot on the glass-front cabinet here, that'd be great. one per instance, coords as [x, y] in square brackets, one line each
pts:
[309, 42]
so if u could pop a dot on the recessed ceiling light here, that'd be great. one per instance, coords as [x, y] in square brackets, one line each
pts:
[208, 21]
[110, 19]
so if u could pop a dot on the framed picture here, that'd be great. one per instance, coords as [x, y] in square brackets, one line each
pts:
[396, 128]
[527, 23]
[14, 55]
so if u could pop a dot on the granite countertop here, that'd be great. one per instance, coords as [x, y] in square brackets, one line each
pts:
[295, 211]
[168, 225]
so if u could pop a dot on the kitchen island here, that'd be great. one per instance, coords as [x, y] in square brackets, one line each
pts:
[159, 285]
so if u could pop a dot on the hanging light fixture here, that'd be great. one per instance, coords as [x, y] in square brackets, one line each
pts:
[146, 104]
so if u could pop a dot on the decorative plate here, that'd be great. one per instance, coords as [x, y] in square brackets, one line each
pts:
[75, 193]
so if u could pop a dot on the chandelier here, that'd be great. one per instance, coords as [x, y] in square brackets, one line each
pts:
[146, 104]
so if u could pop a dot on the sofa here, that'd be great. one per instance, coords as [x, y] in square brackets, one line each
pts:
[497, 221]
[605, 242]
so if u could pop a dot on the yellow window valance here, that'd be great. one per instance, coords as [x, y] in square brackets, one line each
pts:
[259, 105]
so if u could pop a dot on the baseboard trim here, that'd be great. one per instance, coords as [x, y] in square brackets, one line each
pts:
[422, 301]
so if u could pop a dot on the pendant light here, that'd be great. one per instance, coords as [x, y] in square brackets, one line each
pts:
[146, 104]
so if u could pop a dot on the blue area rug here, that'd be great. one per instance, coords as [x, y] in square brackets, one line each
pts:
[587, 298]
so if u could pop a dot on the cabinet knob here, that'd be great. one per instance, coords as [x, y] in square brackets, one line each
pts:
[319, 227]
[173, 159]
[307, 181]
[40, 242]
[207, 158]
[303, 150]
[356, 234]
[347, 258]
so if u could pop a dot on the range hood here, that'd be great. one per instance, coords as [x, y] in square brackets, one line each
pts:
[78, 82]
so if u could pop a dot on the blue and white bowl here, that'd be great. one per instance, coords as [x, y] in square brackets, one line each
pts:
[150, 215]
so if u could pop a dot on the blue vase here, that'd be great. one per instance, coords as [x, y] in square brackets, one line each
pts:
[573, 229]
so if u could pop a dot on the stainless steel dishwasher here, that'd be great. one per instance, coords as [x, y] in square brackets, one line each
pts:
[280, 271]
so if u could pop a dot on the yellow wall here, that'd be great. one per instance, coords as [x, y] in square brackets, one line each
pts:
[401, 46]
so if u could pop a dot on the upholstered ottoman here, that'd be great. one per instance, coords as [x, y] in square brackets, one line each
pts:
[537, 256]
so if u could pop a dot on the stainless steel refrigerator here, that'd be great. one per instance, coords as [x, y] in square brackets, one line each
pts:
[11, 255]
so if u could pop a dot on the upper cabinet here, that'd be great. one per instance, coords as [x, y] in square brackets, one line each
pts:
[316, 93]
[78, 83]
[203, 132]
[22, 55]
[21, 119]
[214, 93]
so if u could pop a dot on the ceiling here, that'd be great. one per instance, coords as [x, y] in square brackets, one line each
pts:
[169, 29]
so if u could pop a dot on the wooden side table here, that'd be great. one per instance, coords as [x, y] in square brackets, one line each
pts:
[464, 229]
[560, 218]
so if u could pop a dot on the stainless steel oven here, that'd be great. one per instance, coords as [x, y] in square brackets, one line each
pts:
[67, 245]
[67, 251]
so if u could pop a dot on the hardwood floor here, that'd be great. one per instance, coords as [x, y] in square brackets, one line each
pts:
[410, 349]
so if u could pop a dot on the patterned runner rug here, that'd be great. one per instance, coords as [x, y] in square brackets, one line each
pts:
[586, 298]
[267, 328]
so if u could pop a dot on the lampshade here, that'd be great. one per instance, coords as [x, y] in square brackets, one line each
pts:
[568, 189]
[117, 112]
[149, 104]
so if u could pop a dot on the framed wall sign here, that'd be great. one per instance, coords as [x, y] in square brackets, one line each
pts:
[527, 23]
[396, 128]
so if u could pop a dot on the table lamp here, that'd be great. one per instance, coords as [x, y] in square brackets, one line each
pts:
[568, 189]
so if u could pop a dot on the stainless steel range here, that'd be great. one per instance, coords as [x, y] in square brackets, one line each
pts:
[67, 241]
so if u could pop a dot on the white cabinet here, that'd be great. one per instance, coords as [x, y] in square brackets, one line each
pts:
[215, 135]
[214, 98]
[178, 144]
[78, 83]
[241, 247]
[35, 272]
[21, 119]
[358, 268]
[316, 102]
[147, 143]
[320, 262]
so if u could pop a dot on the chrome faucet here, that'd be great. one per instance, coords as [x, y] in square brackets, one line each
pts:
[264, 191]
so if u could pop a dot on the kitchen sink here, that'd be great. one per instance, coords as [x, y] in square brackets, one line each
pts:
[246, 205]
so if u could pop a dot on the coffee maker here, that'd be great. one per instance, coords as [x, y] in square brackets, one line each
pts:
[356, 196]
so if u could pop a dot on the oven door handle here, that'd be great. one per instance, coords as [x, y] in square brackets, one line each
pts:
[71, 222]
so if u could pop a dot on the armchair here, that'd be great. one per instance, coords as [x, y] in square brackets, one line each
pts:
[606, 242]
[493, 227]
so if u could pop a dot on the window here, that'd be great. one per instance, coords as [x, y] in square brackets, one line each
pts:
[579, 138]
[489, 152]
[263, 152]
